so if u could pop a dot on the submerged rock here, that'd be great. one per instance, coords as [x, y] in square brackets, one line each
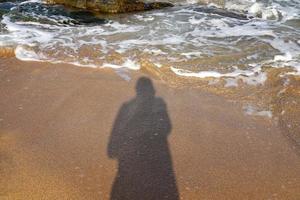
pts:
[5, 7]
[112, 6]
[221, 12]
[53, 15]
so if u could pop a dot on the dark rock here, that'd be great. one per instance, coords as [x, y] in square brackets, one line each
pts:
[221, 12]
[112, 6]
[54, 15]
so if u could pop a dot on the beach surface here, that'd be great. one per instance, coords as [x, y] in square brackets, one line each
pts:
[56, 121]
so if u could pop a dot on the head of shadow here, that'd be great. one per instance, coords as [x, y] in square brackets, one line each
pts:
[139, 142]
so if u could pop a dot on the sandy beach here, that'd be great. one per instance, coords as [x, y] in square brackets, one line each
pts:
[57, 127]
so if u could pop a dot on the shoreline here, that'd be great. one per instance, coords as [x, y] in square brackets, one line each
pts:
[56, 120]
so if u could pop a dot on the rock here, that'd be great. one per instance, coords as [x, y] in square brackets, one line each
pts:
[221, 12]
[5, 7]
[55, 15]
[219, 3]
[112, 6]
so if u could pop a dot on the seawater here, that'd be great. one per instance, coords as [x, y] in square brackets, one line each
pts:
[234, 39]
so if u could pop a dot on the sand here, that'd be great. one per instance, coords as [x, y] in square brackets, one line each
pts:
[57, 122]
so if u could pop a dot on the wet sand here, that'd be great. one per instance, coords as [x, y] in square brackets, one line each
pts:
[56, 122]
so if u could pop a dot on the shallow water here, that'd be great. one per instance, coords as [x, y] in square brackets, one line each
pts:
[190, 39]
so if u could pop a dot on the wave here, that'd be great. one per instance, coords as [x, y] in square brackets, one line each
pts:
[191, 40]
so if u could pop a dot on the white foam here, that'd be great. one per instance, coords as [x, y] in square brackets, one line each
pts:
[213, 74]
[192, 1]
[231, 82]
[290, 54]
[238, 5]
[22, 34]
[192, 54]
[26, 55]
[254, 77]
[127, 64]
[222, 30]
[130, 64]
[145, 18]
[193, 20]
[251, 110]
[30, 1]
[202, 74]
[286, 57]
[256, 9]
[155, 51]
[158, 65]
[271, 14]
[268, 10]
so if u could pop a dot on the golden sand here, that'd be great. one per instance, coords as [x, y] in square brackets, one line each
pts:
[56, 121]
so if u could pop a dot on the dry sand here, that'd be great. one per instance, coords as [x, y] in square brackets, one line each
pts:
[56, 121]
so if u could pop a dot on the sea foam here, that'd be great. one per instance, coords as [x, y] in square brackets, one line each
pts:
[196, 43]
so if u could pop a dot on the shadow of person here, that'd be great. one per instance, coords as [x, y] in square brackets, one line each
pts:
[139, 142]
